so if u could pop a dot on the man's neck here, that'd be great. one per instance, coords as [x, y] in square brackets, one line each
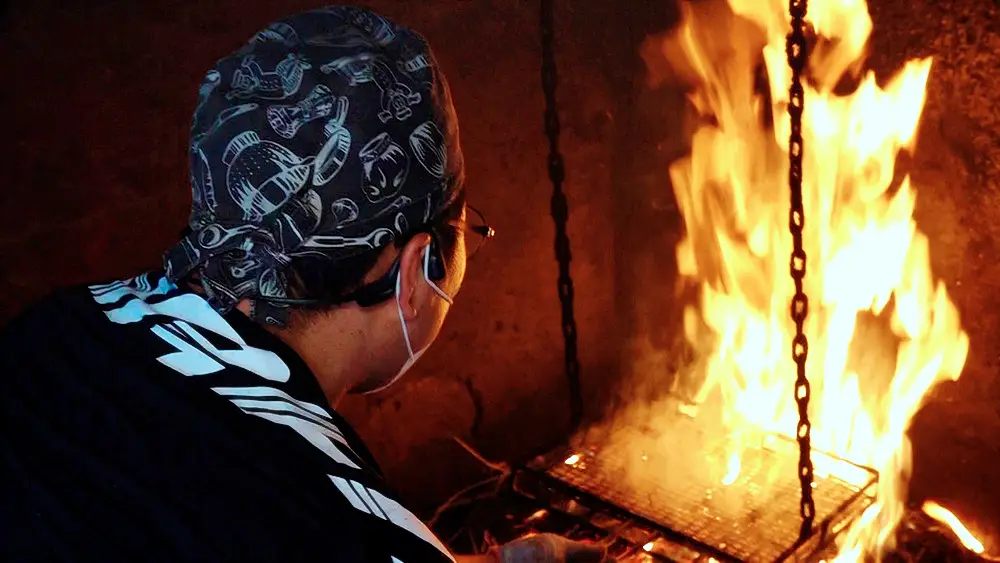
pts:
[330, 349]
[330, 352]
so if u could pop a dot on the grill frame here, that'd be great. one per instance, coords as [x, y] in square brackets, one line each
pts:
[536, 479]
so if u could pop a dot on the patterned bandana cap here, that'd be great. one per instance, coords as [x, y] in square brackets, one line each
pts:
[329, 134]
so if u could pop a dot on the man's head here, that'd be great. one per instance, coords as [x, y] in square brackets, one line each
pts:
[328, 189]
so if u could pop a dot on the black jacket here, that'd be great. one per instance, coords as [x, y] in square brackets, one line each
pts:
[140, 425]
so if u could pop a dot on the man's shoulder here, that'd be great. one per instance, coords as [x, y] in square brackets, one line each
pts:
[58, 311]
[39, 312]
[62, 329]
[74, 323]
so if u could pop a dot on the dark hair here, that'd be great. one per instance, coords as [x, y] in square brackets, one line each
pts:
[321, 278]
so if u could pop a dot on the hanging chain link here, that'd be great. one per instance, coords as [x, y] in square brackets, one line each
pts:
[560, 210]
[796, 50]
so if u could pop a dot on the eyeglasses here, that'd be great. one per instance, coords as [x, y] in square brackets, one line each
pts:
[475, 224]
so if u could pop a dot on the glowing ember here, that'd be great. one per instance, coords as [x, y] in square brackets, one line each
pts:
[648, 546]
[572, 460]
[945, 516]
[537, 515]
[882, 330]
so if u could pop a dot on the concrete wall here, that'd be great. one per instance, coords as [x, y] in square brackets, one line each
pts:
[97, 118]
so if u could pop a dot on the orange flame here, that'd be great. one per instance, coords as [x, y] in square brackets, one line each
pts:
[882, 330]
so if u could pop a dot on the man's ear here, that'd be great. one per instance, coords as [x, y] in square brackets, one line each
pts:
[412, 293]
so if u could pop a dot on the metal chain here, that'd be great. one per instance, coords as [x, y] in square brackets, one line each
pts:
[560, 210]
[796, 50]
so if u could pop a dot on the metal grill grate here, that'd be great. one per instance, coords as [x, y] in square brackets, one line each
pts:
[755, 518]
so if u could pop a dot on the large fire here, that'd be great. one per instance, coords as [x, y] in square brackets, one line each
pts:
[882, 330]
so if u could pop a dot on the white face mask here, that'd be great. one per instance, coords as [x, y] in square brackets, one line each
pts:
[412, 356]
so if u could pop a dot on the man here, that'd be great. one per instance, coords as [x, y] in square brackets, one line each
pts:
[187, 414]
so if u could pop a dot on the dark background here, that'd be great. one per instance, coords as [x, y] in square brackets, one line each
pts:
[97, 106]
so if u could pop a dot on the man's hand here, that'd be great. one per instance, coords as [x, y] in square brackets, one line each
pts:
[549, 548]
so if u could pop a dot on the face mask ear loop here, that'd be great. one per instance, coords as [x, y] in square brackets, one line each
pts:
[427, 277]
[402, 323]
[402, 320]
